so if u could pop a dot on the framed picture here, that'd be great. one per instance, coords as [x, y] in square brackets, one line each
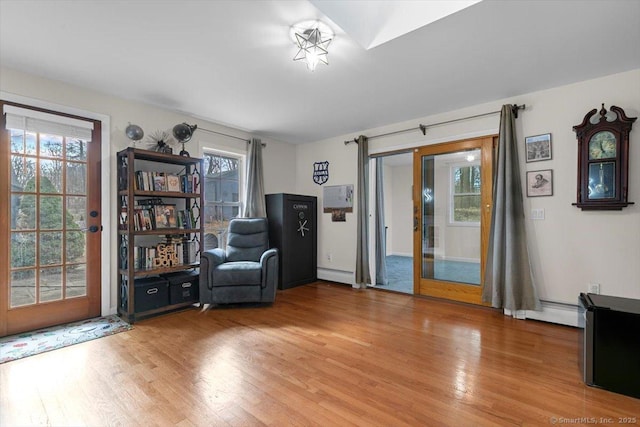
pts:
[538, 147]
[165, 216]
[540, 183]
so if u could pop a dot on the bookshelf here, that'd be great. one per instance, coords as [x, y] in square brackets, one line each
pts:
[159, 228]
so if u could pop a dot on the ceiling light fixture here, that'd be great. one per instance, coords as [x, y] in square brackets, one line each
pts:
[312, 39]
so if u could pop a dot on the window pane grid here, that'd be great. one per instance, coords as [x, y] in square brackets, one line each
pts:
[48, 204]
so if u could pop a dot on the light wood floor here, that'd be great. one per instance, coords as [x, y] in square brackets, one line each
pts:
[323, 354]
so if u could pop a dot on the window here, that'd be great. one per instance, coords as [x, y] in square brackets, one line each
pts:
[465, 194]
[222, 190]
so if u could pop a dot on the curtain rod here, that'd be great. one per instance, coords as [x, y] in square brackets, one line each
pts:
[224, 134]
[423, 128]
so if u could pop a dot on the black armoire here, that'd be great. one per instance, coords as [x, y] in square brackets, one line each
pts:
[293, 230]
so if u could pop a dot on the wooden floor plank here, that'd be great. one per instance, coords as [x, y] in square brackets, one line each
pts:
[323, 354]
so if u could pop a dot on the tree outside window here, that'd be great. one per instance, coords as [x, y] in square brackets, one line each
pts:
[221, 191]
[465, 194]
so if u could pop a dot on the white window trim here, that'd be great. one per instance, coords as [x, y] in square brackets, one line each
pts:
[450, 219]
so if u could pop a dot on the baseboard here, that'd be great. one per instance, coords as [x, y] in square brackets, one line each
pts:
[339, 276]
[552, 312]
[407, 254]
[457, 258]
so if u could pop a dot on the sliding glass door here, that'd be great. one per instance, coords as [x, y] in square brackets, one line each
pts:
[452, 214]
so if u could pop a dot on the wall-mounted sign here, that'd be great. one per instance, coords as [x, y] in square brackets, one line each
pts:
[320, 172]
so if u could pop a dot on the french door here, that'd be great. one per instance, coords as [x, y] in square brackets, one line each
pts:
[50, 222]
[452, 215]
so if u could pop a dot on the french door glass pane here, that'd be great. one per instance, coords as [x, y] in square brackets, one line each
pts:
[51, 145]
[450, 217]
[75, 242]
[23, 250]
[50, 248]
[23, 287]
[76, 178]
[50, 284]
[75, 284]
[50, 176]
[50, 208]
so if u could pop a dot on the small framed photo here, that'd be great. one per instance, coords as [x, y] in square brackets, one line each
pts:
[540, 183]
[165, 216]
[538, 147]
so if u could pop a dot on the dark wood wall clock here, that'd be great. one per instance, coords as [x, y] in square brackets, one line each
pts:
[603, 159]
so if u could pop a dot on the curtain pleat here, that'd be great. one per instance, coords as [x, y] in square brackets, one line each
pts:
[508, 281]
[381, 235]
[362, 255]
[254, 206]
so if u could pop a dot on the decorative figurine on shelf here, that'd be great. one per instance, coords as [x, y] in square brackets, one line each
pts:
[134, 133]
[161, 141]
[183, 133]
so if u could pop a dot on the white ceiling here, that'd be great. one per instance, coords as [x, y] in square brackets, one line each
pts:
[230, 62]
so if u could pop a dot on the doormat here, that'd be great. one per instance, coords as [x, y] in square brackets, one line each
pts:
[30, 343]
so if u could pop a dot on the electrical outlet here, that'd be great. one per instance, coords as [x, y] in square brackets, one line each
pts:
[594, 288]
[329, 256]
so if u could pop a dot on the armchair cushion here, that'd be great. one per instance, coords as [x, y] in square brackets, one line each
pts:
[247, 239]
[237, 273]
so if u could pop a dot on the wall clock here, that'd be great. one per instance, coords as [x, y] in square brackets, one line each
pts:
[603, 159]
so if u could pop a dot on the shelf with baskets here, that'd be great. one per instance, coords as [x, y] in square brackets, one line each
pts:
[160, 232]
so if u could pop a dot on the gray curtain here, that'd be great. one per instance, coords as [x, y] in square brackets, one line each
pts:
[381, 235]
[508, 281]
[253, 206]
[362, 255]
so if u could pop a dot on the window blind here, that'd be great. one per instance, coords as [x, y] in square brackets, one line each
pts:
[52, 124]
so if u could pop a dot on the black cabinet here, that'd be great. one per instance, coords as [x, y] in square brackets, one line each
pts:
[611, 343]
[293, 230]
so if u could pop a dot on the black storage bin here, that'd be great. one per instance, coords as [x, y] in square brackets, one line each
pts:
[183, 286]
[150, 293]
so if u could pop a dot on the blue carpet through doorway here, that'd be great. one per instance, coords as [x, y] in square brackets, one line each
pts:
[400, 273]
[30, 343]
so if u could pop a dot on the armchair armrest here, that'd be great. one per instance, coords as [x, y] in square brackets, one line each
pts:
[209, 260]
[269, 265]
[215, 256]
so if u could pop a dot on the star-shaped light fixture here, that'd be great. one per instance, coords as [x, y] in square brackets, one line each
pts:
[312, 39]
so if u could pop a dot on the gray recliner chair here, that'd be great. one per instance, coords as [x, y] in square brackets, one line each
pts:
[246, 272]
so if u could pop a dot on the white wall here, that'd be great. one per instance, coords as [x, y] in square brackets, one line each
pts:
[570, 248]
[278, 156]
[401, 224]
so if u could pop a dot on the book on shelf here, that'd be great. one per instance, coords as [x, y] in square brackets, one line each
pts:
[173, 183]
[165, 216]
[159, 181]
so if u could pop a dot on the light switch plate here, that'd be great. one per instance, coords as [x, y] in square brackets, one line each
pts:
[537, 214]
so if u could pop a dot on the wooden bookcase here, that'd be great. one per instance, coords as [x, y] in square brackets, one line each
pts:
[167, 237]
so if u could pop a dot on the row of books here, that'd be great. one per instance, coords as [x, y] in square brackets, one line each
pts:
[168, 254]
[162, 181]
[159, 217]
